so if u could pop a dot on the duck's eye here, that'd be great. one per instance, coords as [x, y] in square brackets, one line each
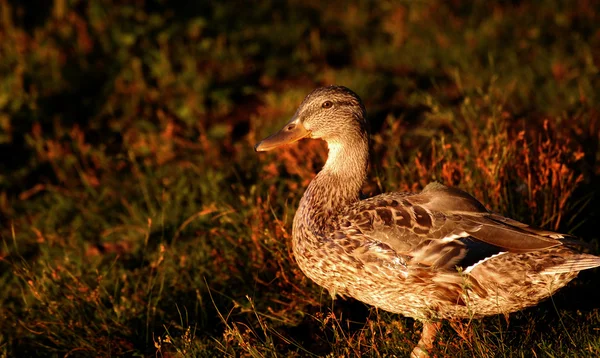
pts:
[327, 104]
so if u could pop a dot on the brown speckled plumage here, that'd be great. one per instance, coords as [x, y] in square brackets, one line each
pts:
[438, 254]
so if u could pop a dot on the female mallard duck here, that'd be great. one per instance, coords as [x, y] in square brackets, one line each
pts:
[434, 255]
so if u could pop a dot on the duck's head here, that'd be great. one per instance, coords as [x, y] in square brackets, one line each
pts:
[334, 114]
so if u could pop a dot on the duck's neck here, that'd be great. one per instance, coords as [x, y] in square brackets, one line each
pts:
[335, 187]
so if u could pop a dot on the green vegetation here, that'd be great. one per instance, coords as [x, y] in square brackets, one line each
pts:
[135, 218]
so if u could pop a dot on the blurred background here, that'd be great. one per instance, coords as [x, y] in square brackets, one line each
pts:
[135, 218]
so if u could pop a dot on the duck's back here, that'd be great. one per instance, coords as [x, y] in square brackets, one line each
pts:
[439, 253]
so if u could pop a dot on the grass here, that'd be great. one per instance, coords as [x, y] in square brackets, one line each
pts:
[135, 218]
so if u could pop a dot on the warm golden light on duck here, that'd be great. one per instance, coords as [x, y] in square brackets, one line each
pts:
[438, 254]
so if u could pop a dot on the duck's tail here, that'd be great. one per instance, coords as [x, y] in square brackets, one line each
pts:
[576, 263]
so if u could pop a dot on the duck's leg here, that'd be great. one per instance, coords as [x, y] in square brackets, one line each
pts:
[430, 330]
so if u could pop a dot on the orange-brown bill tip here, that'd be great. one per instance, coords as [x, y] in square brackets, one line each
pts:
[290, 133]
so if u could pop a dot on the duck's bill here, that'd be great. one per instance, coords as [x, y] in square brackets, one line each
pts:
[290, 133]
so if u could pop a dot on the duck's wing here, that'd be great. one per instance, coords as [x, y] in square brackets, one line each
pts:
[441, 227]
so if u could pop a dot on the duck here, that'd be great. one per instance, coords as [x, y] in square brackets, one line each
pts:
[435, 255]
